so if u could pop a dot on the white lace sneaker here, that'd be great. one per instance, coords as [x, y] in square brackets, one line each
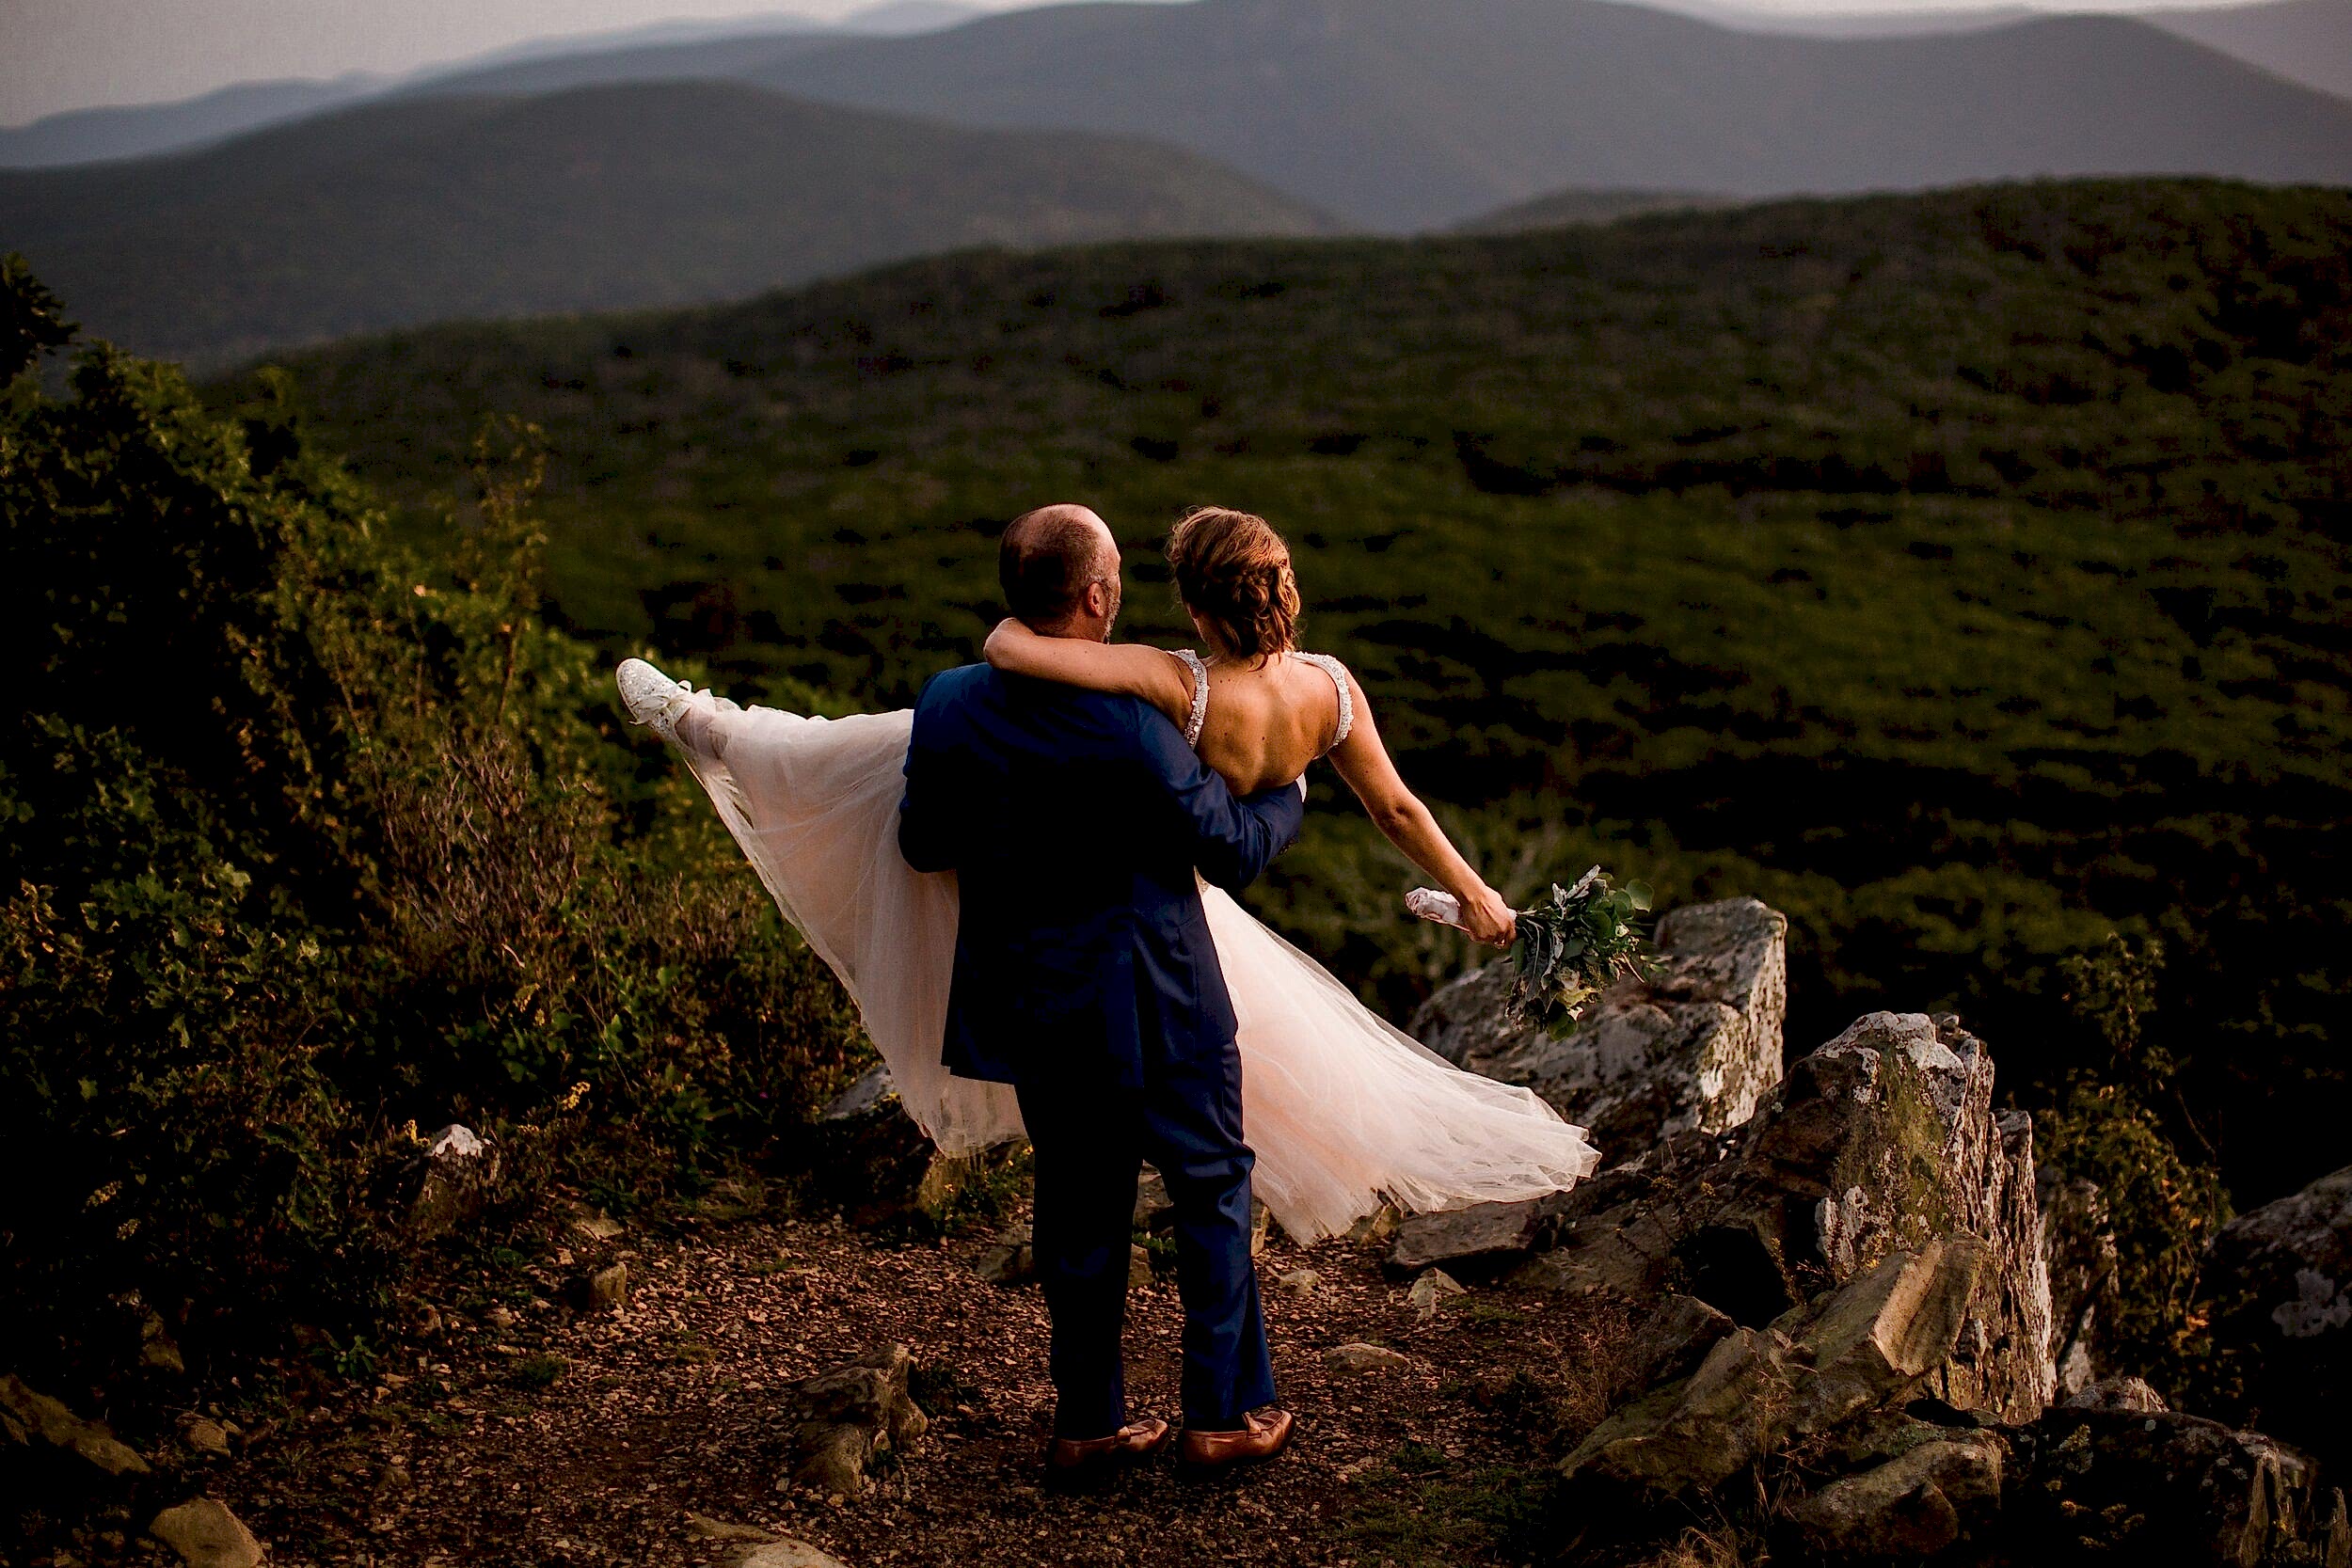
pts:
[652, 698]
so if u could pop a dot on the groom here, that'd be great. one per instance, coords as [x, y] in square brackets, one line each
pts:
[1086, 977]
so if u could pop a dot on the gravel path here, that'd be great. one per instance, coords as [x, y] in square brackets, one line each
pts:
[551, 1437]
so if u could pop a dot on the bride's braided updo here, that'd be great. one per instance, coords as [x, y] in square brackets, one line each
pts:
[1234, 572]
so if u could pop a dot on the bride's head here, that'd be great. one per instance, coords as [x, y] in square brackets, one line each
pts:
[1234, 574]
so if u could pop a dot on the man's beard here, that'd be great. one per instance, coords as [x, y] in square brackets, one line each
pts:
[1110, 617]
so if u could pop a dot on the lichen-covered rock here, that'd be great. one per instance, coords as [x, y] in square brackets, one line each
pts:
[846, 1415]
[2127, 1486]
[1698, 1048]
[1883, 1140]
[2278, 1285]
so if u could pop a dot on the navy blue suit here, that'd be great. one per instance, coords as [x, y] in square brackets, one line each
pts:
[1086, 977]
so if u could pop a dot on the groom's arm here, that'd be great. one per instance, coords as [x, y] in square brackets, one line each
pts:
[1231, 840]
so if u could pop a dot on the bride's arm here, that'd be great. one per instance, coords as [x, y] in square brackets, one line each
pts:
[1126, 668]
[1365, 764]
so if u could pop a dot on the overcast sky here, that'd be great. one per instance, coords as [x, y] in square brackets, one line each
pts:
[59, 55]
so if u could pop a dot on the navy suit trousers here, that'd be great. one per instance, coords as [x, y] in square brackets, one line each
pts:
[1089, 1143]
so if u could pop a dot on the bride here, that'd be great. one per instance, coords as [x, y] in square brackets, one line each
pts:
[1343, 1110]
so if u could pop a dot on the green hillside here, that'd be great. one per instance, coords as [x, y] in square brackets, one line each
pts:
[1580, 205]
[599, 198]
[1964, 574]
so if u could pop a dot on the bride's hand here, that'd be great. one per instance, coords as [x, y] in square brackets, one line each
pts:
[1488, 919]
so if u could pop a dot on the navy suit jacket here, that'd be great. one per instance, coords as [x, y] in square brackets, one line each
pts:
[1075, 821]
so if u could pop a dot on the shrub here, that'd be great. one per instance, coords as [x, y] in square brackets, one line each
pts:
[305, 844]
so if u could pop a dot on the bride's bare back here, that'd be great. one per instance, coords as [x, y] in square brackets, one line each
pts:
[1265, 723]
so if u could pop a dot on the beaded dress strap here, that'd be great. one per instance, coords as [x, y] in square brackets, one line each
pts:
[1199, 713]
[1338, 673]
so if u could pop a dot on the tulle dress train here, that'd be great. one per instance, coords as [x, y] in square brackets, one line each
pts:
[1343, 1110]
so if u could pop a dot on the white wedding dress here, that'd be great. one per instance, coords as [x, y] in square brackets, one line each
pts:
[1343, 1110]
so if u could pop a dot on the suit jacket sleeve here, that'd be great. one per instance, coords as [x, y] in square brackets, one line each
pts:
[928, 831]
[1231, 840]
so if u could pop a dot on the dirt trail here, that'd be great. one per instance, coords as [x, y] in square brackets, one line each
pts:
[566, 1439]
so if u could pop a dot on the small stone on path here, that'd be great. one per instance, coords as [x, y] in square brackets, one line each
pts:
[787, 1554]
[704, 1527]
[1353, 1360]
[1431, 1288]
[1299, 1282]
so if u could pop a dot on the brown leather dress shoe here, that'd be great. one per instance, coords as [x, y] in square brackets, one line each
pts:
[1263, 1434]
[1072, 1457]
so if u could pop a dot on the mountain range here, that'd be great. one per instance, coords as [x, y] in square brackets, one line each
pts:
[598, 197]
[674, 49]
[1415, 114]
[2308, 41]
[678, 169]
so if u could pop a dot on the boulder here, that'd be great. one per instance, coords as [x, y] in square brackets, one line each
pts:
[55, 1439]
[1699, 1047]
[1477, 1240]
[451, 1181]
[1913, 1506]
[2276, 1283]
[2164, 1487]
[1882, 1140]
[1672, 1338]
[206, 1535]
[846, 1415]
[1009, 1261]
[599, 1289]
[874, 1163]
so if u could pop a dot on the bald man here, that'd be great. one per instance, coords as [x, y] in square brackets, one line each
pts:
[1087, 978]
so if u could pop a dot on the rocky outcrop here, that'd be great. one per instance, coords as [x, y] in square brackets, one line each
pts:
[1883, 1141]
[2277, 1283]
[46, 1441]
[845, 1416]
[1760, 1390]
[2078, 1248]
[1698, 1048]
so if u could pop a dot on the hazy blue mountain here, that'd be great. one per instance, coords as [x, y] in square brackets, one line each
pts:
[1578, 205]
[88, 136]
[622, 195]
[736, 47]
[1830, 23]
[2304, 41]
[1419, 113]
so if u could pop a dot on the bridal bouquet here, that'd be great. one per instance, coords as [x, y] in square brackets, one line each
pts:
[1571, 944]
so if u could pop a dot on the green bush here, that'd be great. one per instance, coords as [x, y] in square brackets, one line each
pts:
[2125, 1128]
[304, 845]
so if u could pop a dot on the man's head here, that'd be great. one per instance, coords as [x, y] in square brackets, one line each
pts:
[1059, 569]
